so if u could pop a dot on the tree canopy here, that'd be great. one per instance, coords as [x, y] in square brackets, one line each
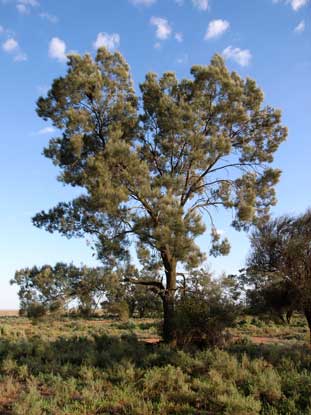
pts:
[278, 272]
[153, 168]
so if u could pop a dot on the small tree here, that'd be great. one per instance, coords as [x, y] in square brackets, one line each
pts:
[152, 174]
[205, 309]
[278, 273]
[52, 288]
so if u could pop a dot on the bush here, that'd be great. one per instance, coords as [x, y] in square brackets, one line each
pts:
[201, 321]
[35, 310]
[121, 310]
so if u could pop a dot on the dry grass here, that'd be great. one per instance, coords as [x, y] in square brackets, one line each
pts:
[8, 313]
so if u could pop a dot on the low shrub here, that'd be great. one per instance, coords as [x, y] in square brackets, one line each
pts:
[202, 322]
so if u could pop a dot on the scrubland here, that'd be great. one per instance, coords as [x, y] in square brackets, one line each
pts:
[88, 367]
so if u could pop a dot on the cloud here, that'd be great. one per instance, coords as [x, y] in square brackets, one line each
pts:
[216, 28]
[24, 6]
[108, 41]
[143, 2]
[10, 45]
[42, 89]
[49, 17]
[201, 4]
[20, 57]
[2, 29]
[240, 56]
[300, 27]
[296, 4]
[57, 49]
[179, 37]
[46, 130]
[183, 59]
[163, 29]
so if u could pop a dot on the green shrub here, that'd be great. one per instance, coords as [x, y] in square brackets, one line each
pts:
[121, 310]
[202, 322]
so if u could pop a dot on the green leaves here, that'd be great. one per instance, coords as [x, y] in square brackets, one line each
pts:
[154, 173]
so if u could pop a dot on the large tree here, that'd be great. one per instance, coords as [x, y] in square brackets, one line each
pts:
[153, 168]
[278, 272]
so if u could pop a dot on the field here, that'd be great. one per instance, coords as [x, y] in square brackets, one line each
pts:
[90, 367]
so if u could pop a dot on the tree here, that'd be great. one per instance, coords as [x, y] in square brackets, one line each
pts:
[53, 288]
[278, 272]
[153, 174]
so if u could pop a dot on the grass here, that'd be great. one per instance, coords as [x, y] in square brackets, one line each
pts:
[92, 367]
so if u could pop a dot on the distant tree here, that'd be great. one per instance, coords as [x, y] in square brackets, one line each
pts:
[278, 272]
[153, 174]
[52, 288]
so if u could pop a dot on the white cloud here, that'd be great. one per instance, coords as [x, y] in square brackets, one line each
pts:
[10, 45]
[108, 41]
[143, 2]
[300, 27]
[157, 45]
[200, 4]
[49, 17]
[296, 4]
[183, 59]
[22, 9]
[216, 28]
[179, 2]
[46, 130]
[57, 49]
[179, 37]
[24, 6]
[20, 57]
[240, 56]
[163, 29]
[2, 29]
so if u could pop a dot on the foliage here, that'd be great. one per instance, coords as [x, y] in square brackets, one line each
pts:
[204, 311]
[148, 173]
[120, 309]
[73, 367]
[278, 273]
[52, 288]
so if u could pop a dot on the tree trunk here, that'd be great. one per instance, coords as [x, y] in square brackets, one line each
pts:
[307, 312]
[169, 333]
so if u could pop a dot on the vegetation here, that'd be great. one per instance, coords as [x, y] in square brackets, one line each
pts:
[152, 168]
[278, 274]
[96, 367]
[56, 290]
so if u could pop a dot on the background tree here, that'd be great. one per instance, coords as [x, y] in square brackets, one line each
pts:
[153, 174]
[278, 273]
[52, 289]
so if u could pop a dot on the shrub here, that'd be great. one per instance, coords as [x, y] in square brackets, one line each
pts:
[35, 310]
[202, 322]
[121, 310]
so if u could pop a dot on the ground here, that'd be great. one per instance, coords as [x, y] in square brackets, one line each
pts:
[92, 367]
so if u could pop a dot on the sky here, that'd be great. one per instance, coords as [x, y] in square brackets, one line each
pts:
[268, 40]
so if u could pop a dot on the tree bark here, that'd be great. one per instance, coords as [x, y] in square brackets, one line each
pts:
[307, 312]
[169, 332]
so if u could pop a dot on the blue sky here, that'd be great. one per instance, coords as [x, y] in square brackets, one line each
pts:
[269, 40]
